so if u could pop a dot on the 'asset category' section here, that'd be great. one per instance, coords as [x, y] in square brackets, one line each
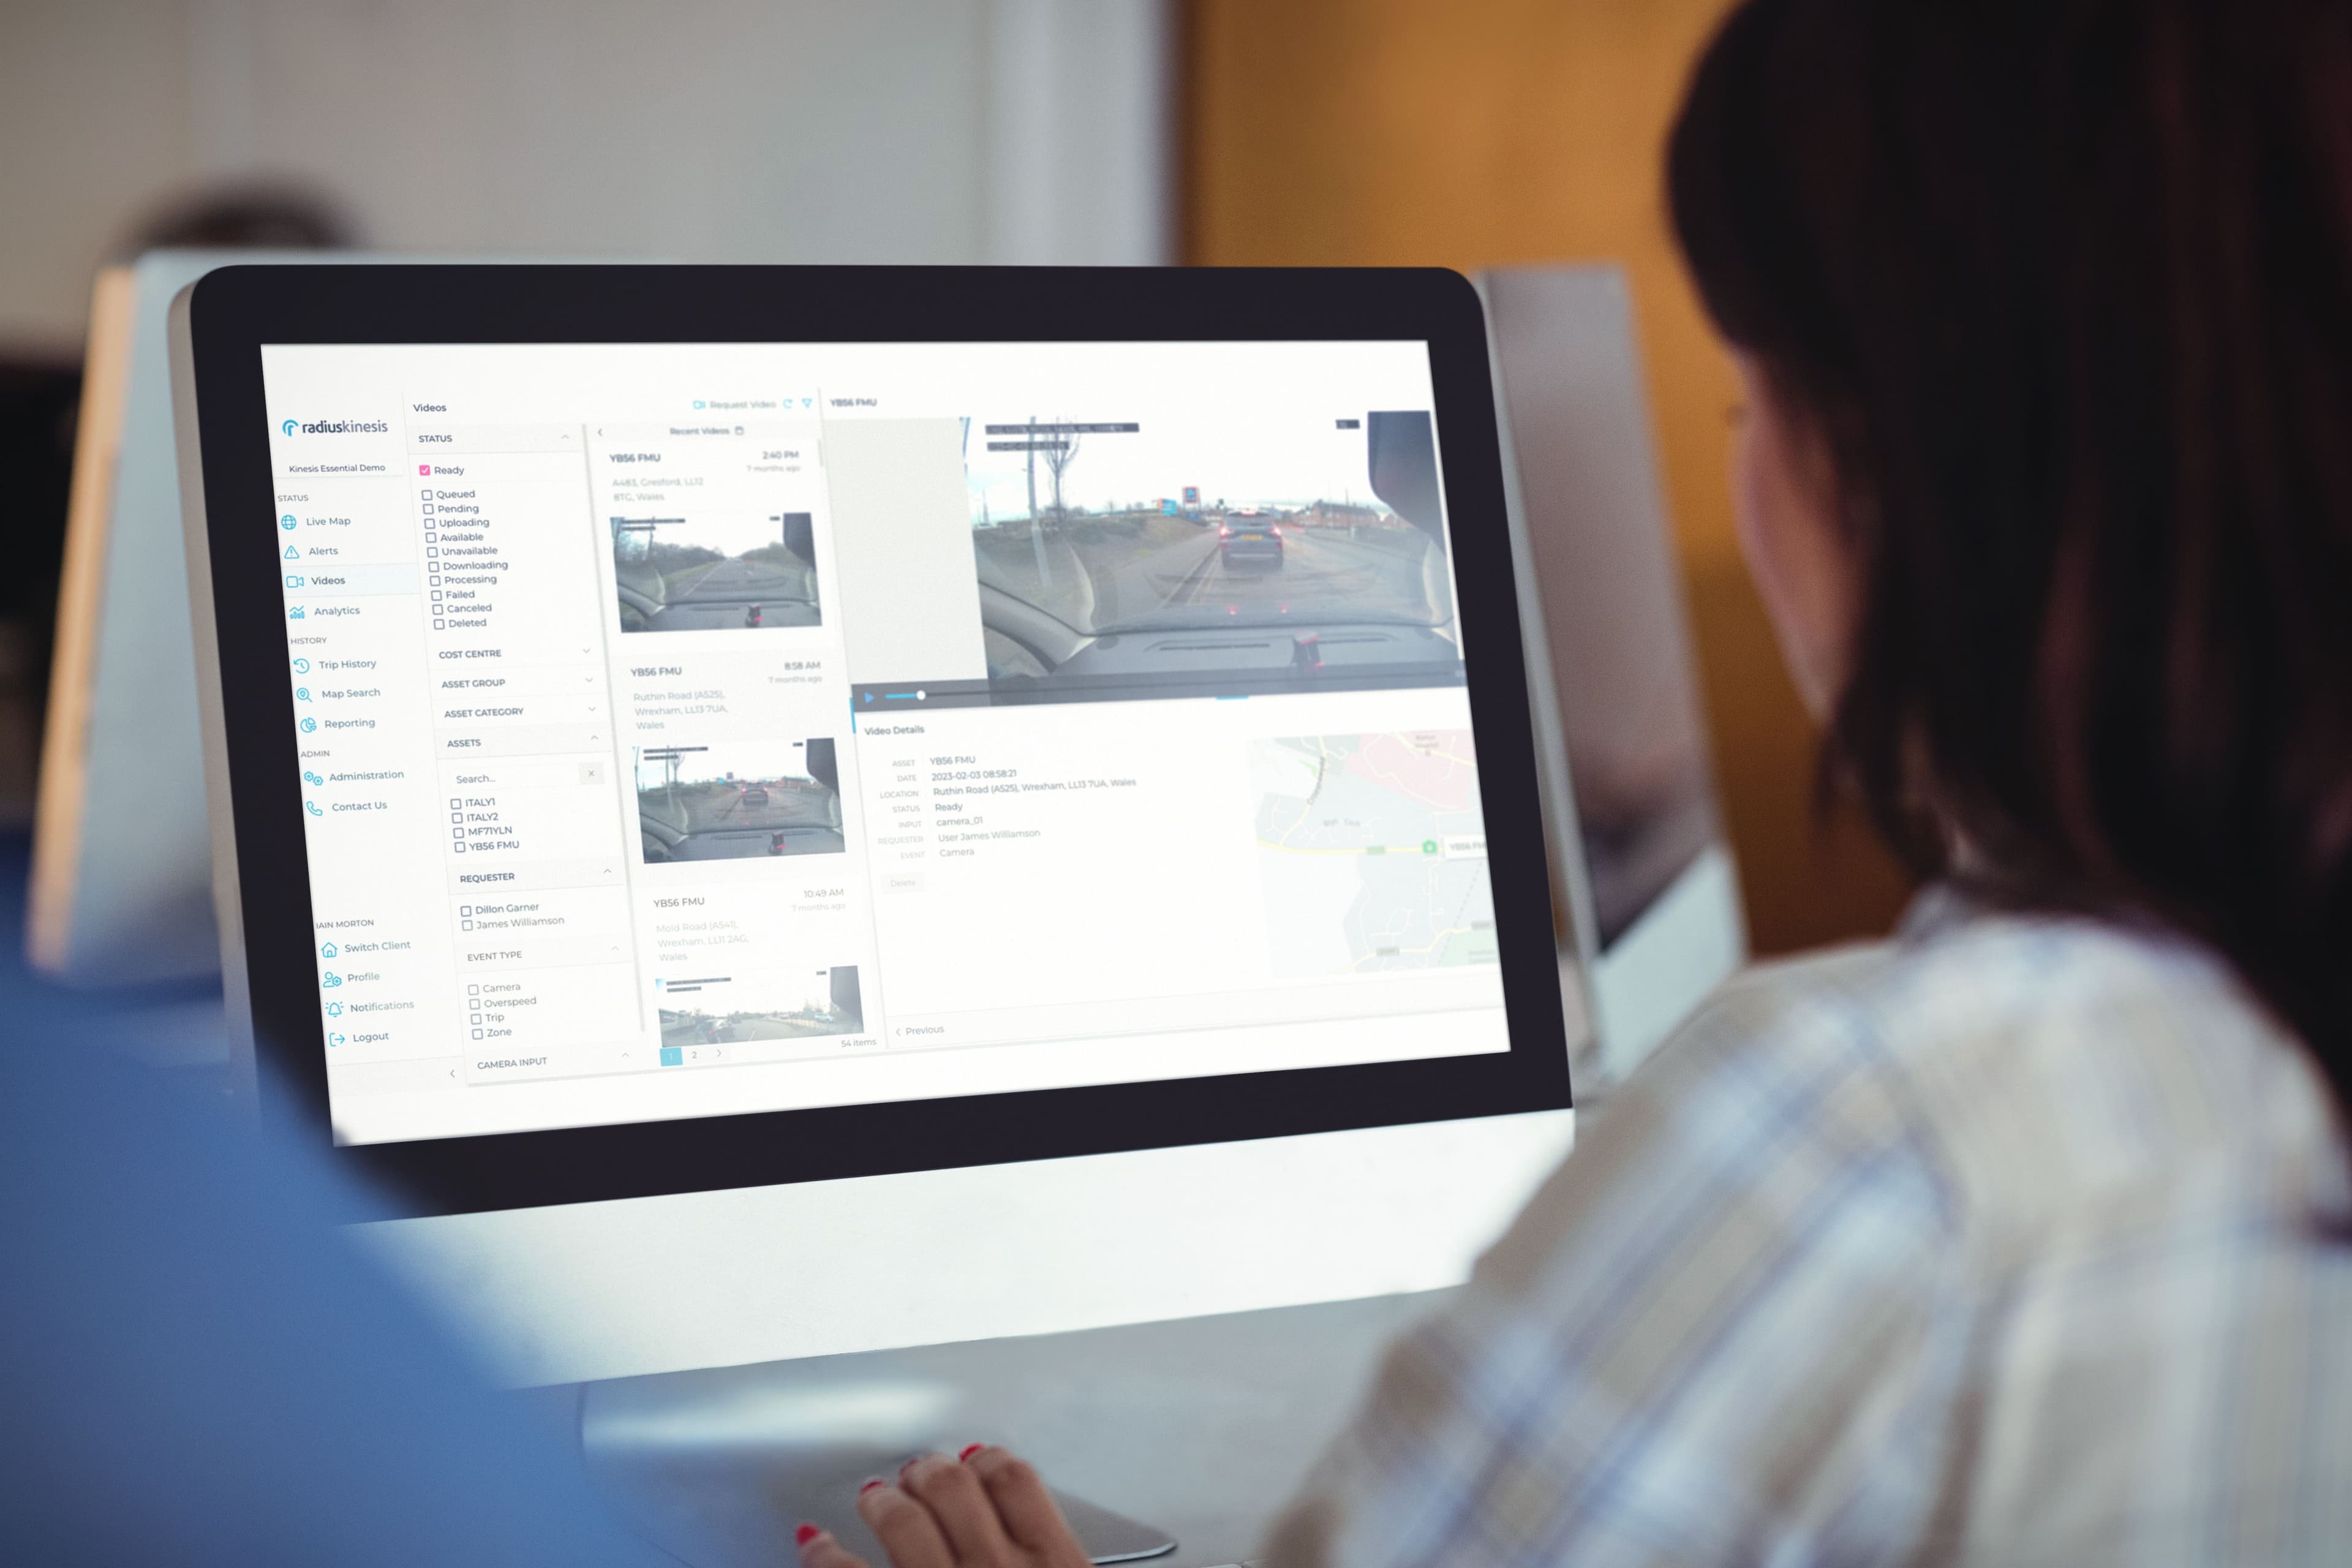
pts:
[693, 730]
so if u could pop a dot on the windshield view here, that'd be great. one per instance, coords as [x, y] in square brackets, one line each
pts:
[1088, 535]
[721, 802]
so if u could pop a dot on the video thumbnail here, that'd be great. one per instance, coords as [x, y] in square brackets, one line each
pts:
[708, 567]
[1187, 553]
[772, 1007]
[738, 799]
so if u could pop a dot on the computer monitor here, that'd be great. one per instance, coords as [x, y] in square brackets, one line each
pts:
[784, 811]
[1651, 890]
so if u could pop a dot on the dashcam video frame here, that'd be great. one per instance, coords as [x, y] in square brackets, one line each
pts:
[737, 800]
[1186, 553]
[674, 572]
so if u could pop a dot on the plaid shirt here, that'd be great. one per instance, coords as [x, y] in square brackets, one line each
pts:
[2009, 1241]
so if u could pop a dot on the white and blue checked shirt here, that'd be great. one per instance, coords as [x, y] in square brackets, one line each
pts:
[2016, 1240]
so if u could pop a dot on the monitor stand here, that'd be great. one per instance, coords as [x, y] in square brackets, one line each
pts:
[719, 1468]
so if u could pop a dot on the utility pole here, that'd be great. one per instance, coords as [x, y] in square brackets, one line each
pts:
[1036, 535]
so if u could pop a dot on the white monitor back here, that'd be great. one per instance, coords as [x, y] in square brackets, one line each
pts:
[1630, 792]
[121, 885]
[121, 882]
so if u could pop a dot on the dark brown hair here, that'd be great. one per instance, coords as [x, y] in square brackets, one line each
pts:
[2066, 288]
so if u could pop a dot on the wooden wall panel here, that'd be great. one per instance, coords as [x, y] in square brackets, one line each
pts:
[1475, 133]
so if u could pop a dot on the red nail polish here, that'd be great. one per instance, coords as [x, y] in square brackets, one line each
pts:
[869, 1486]
[805, 1534]
[969, 1451]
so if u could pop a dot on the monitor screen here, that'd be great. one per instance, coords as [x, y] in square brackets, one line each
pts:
[693, 730]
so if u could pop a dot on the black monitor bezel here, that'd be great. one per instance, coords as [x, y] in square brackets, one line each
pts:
[234, 311]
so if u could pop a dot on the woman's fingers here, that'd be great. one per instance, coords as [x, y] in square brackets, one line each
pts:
[965, 1511]
[904, 1527]
[1027, 1508]
[818, 1549]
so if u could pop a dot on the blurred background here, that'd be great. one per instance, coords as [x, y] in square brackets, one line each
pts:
[1218, 133]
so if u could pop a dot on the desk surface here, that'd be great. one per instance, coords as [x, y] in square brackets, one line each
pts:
[1203, 1427]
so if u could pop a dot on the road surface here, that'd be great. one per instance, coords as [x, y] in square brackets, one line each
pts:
[1324, 577]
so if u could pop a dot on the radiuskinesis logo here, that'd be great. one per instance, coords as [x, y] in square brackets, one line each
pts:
[334, 427]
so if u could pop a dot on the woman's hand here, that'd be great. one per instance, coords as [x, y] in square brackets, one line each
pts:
[984, 1510]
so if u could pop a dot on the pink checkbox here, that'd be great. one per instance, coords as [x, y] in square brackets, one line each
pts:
[425, 469]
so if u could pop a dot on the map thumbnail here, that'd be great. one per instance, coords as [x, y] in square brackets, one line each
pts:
[1373, 852]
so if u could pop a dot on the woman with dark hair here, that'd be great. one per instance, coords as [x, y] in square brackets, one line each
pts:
[2026, 1237]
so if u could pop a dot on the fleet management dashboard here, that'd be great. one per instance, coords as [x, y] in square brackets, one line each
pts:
[688, 729]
